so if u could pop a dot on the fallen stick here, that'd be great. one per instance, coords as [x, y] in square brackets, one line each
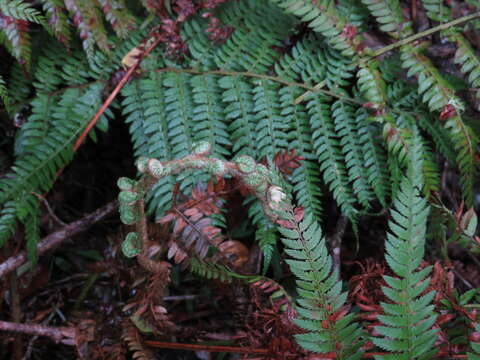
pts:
[54, 239]
[64, 335]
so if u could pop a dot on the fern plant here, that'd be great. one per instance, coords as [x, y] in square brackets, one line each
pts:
[253, 89]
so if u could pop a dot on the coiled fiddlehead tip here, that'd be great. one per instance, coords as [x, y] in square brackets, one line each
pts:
[132, 245]
[245, 163]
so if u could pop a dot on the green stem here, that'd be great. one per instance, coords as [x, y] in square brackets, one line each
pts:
[314, 89]
[419, 35]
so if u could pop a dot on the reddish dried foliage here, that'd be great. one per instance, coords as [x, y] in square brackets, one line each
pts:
[270, 324]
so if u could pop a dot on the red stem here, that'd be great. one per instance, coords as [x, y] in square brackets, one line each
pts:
[114, 93]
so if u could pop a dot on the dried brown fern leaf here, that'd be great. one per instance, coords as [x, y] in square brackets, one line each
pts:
[134, 342]
[192, 226]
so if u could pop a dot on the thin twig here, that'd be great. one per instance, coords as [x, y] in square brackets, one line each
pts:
[29, 350]
[50, 210]
[181, 297]
[311, 89]
[64, 335]
[114, 94]
[209, 348]
[397, 44]
[52, 240]
[419, 35]
[465, 281]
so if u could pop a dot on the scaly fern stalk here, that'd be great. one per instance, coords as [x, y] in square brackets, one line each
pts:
[408, 318]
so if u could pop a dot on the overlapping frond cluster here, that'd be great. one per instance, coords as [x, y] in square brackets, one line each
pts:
[67, 93]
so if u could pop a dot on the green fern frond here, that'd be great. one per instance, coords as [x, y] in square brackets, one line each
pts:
[346, 128]
[339, 69]
[200, 48]
[208, 122]
[306, 186]
[238, 95]
[21, 84]
[402, 96]
[37, 127]
[267, 238]
[306, 63]
[144, 104]
[89, 22]
[211, 270]
[265, 233]
[323, 19]
[407, 331]
[251, 46]
[374, 156]
[389, 15]
[321, 303]
[436, 10]
[134, 110]
[117, 14]
[28, 212]
[306, 178]
[439, 95]
[252, 15]
[465, 141]
[430, 170]
[179, 108]
[20, 10]
[328, 151]
[58, 20]
[435, 91]
[8, 221]
[271, 129]
[354, 13]
[35, 170]
[468, 61]
[372, 85]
